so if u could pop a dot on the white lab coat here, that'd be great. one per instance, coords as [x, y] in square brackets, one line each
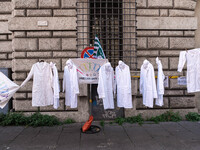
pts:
[105, 87]
[70, 84]
[193, 68]
[123, 82]
[56, 86]
[160, 83]
[7, 90]
[147, 83]
[42, 91]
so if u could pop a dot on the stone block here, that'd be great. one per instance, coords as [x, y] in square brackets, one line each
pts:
[6, 64]
[141, 3]
[10, 36]
[171, 33]
[3, 37]
[148, 12]
[39, 12]
[147, 33]
[18, 76]
[19, 13]
[182, 102]
[24, 105]
[134, 86]
[10, 56]
[19, 54]
[182, 43]
[49, 44]
[174, 93]
[190, 94]
[160, 4]
[23, 64]
[25, 3]
[181, 13]
[69, 43]
[39, 34]
[158, 43]
[83, 90]
[141, 43]
[50, 108]
[185, 4]
[169, 53]
[68, 3]
[30, 23]
[19, 96]
[5, 46]
[64, 13]
[49, 3]
[27, 87]
[39, 54]
[189, 33]
[24, 44]
[19, 34]
[5, 17]
[176, 23]
[173, 73]
[147, 53]
[174, 63]
[4, 28]
[66, 54]
[3, 56]
[164, 12]
[70, 34]
[5, 7]
[174, 84]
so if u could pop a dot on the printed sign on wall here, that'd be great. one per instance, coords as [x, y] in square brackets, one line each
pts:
[88, 69]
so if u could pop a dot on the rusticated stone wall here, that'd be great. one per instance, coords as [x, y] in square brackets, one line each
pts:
[5, 35]
[164, 29]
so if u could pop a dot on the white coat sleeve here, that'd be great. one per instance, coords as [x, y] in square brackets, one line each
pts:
[100, 87]
[141, 81]
[64, 80]
[30, 75]
[56, 88]
[182, 60]
[114, 83]
[76, 85]
[155, 94]
[129, 79]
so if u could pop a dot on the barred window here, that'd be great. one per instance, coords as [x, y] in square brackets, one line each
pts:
[114, 23]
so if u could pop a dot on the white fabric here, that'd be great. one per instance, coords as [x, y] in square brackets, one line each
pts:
[193, 68]
[105, 87]
[123, 82]
[147, 83]
[42, 91]
[70, 84]
[56, 86]
[160, 83]
[7, 89]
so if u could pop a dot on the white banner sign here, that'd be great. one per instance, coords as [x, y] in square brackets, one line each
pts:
[88, 69]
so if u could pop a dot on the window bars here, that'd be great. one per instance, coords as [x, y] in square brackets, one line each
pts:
[114, 23]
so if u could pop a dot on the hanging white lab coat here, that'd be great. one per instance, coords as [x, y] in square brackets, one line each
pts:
[42, 91]
[7, 90]
[56, 86]
[160, 83]
[105, 87]
[123, 82]
[147, 83]
[70, 84]
[193, 68]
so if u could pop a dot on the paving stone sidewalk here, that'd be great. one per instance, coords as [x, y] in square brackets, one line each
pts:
[164, 136]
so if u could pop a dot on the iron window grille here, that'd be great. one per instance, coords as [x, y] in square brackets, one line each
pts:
[114, 22]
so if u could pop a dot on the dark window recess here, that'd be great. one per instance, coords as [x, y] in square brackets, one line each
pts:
[114, 22]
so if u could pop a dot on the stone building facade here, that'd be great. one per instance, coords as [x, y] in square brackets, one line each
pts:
[31, 30]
